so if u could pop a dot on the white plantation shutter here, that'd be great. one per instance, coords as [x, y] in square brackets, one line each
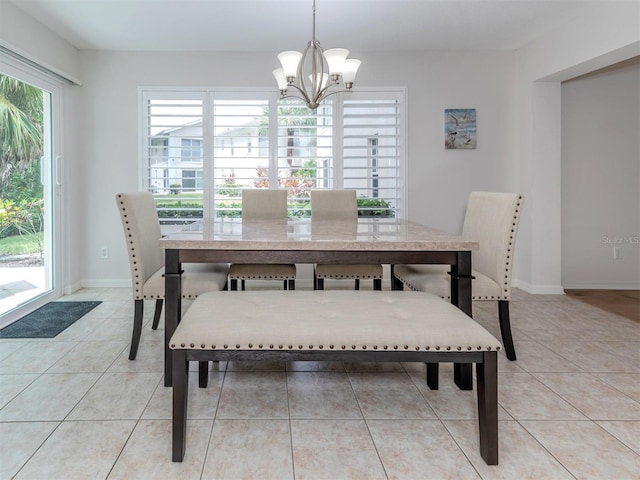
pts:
[371, 160]
[199, 149]
[241, 150]
[173, 149]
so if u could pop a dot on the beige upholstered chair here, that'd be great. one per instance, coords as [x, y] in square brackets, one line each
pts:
[146, 259]
[340, 206]
[263, 204]
[491, 219]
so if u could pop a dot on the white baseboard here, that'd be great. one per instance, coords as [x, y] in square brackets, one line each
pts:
[538, 289]
[603, 286]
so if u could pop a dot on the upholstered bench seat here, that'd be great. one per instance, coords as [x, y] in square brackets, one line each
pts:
[334, 326]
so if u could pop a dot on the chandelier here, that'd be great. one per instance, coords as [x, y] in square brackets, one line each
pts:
[315, 74]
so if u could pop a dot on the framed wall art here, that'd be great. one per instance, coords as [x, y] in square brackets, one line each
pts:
[460, 128]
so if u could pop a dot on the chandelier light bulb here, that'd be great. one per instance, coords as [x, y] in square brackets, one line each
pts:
[278, 73]
[289, 61]
[350, 69]
[335, 59]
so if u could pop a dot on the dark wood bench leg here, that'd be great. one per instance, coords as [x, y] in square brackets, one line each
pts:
[292, 284]
[203, 374]
[320, 284]
[156, 314]
[505, 329]
[433, 375]
[357, 285]
[180, 388]
[487, 376]
[137, 328]
[234, 284]
[377, 284]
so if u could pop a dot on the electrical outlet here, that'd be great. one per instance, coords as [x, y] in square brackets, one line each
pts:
[104, 252]
[617, 253]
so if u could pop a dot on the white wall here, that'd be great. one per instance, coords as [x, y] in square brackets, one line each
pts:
[439, 180]
[598, 38]
[601, 178]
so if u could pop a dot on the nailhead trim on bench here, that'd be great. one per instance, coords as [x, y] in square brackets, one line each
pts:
[250, 346]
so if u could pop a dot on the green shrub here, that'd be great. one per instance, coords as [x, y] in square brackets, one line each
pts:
[179, 209]
[222, 212]
[229, 189]
[374, 207]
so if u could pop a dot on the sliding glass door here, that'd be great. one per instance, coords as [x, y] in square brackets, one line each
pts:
[30, 191]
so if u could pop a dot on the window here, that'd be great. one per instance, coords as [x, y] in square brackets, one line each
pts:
[192, 180]
[201, 148]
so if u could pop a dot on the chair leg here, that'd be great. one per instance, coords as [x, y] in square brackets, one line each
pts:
[156, 315]
[234, 284]
[203, 374]
[505, 329]
[320, 284]
[292, 284]
[433, 375]
[357, 284]
[242, 285]
[137, 328]
[463, 375]
[377, 284]
[396, 284]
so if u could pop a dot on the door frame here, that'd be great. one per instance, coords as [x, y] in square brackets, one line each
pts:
[53, 187]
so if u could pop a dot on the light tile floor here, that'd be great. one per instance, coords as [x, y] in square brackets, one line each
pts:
[75, 407]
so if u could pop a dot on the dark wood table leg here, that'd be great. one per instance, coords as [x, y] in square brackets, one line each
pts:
[172, 306]
[461, 297]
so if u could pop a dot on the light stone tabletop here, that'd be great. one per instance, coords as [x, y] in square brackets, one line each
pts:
[303, 234]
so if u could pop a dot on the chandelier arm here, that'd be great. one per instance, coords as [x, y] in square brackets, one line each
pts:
[300, 74]
[318, 78]
[305, 98]
[333, 93]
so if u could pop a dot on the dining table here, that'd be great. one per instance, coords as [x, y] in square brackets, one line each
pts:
[369, 240]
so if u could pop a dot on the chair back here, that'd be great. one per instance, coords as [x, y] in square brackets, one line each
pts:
[492, 219]
[264, 204]
[142, 234]
[334, 205]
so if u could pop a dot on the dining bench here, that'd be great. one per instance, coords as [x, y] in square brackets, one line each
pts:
[364, 326]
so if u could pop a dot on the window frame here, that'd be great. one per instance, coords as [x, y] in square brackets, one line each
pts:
[207, 96]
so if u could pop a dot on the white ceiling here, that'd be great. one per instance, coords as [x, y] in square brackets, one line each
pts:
[274, 25]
